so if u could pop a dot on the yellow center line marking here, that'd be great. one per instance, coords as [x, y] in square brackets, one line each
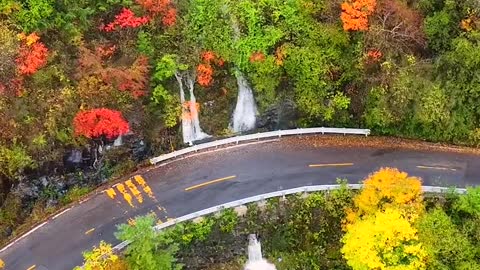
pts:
[436, 168]
[210, 182]
[89, 231]
[31, 267]
[330, 165]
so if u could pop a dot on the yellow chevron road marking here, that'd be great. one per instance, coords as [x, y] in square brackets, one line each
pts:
[126, 195]
[139, 179]
[133, 189]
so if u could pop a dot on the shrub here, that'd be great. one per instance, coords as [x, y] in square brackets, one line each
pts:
[446, 246]
[14, 160]
[469, 203]
[74, 194]
[148, 249]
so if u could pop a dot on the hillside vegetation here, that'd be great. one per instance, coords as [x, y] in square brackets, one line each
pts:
[76, 74]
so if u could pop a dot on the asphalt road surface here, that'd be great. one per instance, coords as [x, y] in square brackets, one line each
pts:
[213, 178]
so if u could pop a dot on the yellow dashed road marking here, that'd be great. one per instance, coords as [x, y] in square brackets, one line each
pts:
[31, 267]
[139, 179]
[89, 231]
[330, 165]
[437, 168]
[2, 264]
[210, 182]
[126, 195]
[134, 190]
[111, 193]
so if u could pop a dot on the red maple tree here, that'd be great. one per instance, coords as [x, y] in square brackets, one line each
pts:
[32, 54]
[162, 8]
[99, 123]
[126, 19]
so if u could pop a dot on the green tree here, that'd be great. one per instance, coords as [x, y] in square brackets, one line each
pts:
[446, 246]
[148, 250]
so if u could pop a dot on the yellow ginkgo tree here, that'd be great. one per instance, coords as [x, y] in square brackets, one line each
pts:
[385, 188]
[379, 228]
[384, 241]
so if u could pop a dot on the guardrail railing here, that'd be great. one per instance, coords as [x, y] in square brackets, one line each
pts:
[281, 193]
[262, 135]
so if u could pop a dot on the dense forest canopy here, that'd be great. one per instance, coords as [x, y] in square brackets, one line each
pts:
[77, 73]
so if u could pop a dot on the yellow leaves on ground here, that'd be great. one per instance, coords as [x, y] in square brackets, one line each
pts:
[379, 229]
[388, 188]
[384, 241]
[2, 264]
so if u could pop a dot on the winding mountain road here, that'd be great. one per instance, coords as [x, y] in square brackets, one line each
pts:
[207, 179]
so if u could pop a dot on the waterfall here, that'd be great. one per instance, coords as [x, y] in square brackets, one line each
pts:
[191, 129]
[255, 260]
[244, 115]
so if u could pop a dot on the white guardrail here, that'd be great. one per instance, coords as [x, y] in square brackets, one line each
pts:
[281, 193]
[263, 135]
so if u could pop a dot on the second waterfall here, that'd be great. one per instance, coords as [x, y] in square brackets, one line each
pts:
[245, 113]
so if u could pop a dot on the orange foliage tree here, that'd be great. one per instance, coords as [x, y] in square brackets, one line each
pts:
[132, 79]
[205, 69]
[32, 54]
[355, 14]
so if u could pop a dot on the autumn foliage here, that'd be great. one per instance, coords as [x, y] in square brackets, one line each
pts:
[163, 8]
[388, 188]
[385, 240]
[32, 55]
[380, 231]
[355, 14]
[132, 79]
[205, 69]
[374, 55]
[97, 123]
[257, 57]
[126, 19]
